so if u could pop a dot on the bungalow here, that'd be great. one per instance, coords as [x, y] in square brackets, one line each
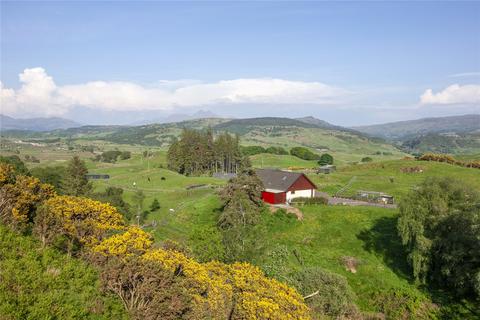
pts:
[281, 187]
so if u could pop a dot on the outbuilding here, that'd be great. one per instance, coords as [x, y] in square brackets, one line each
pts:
[281, 187]
[326, 169]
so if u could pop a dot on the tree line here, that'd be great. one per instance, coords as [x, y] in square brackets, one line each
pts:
[200, 152]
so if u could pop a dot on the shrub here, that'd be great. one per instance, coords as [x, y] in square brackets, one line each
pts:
[449, 159]
[309, 201]
[147, 290]
[125, 155]
[325, 159]
[19, 200]
[252, 150]
[16, 163]
[404, 304]
[304, 153]
[438, 226]
[76, 222]
[50, 175]
[276, 150]
[367, 159]
[38, 283]
[155, 205]
[110, 156]
[329, 293]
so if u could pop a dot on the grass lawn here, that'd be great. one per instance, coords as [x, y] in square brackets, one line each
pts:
[327, 234]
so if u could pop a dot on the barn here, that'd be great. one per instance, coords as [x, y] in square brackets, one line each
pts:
[282, 186]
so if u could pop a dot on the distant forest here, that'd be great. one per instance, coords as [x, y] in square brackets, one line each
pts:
[200, 152]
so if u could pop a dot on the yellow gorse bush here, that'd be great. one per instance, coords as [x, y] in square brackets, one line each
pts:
[21, 198]
[260, 297]
[211, 293]
[82, 218]
[133, 241]
[6, 173]
[241, 286]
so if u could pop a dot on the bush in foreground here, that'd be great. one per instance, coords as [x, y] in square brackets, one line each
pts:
[40, 283]
[440, 228]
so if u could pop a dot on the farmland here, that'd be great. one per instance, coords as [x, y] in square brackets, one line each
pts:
[189, 208]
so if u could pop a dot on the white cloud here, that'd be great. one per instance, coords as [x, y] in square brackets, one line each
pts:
[39, 95]
[454, 94]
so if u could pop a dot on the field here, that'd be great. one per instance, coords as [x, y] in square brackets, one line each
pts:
[323, 238]
[388, 176]
[327, 234]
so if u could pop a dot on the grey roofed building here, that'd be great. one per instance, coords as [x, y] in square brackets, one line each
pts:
[328, 168]
[274, 179]
[277, 179]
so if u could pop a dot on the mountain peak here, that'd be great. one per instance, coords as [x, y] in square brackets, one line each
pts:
[36, 124]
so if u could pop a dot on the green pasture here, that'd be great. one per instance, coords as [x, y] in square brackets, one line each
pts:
[327, 234]
[187, 196]
[323, 238]
[349, 147]
[388, 176]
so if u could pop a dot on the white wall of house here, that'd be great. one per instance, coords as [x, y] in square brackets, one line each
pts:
[299, 194]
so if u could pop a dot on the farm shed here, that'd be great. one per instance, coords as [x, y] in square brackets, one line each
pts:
[97, 176]
[282, 186]
[326, 169]
[375, 196]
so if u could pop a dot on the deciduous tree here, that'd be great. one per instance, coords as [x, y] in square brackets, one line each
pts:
[440, 227]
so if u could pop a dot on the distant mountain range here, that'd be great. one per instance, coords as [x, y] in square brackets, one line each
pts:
[404, 130]
[178, 117]
[457, 134]
[36, 124]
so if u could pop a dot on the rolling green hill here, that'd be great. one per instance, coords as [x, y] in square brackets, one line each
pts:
[443, 143]
[345, 144]
[455, 135]
[407, 129]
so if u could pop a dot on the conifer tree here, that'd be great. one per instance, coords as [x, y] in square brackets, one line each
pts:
[76, 182]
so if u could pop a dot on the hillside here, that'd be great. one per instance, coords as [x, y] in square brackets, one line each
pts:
[36, 124]
[406, 129]
[443, 143]
[324, 236]
[346, 145]
[243, 126]
[41, 283]
[320, 136]
[177, 117]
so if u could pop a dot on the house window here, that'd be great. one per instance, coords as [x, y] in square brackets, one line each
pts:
[293, 192]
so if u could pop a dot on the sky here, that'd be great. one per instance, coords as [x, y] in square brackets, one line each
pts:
[349, 63]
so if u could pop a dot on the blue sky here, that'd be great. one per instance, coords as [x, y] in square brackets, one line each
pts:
[346, 62]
